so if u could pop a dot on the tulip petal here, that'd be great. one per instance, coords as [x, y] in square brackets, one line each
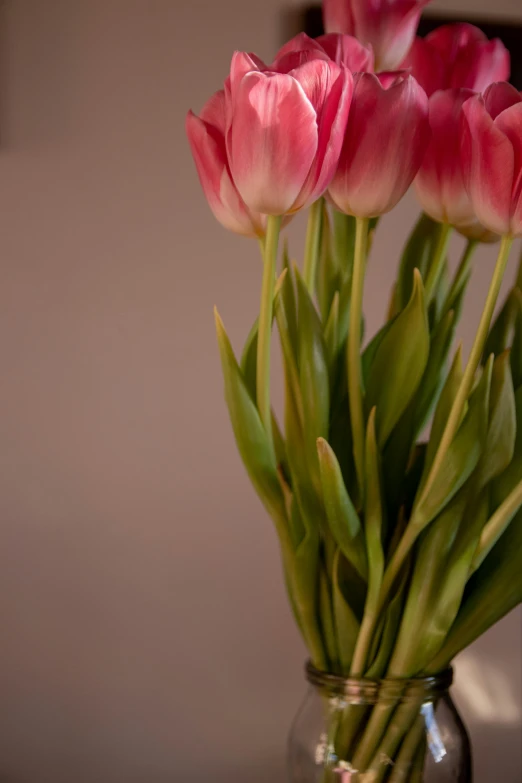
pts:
[440, 183]
[301, 43]
[488, 165]
[214, 112]
[348, 51]
[333, 104]
[209, 155]
[449, 39]
[243, 63]
[272, 141]
[480, 64]
[499, 97]
[338, 17]
[510, 123]
[385, 142]
[427, 66]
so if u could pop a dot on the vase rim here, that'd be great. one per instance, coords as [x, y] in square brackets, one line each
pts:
[361, 690]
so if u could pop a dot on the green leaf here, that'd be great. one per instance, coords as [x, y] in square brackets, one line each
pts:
[432, 554]
[399, 363]
[342, 517]
[417, 255]
[501, 333]
[344, 242]
[502, 423]
[369, 353]
[462, 456]
[250, 435]
[346, 623]
[249, 361]
[516, 349]
[302, 574]
[432, 379]
[509, 478]
[493, 591]
[331, 337]
[288, 302]
[327, 621]
[374, 511]
[313, 376]
[443, 408]
[380, 657]
[329, 277]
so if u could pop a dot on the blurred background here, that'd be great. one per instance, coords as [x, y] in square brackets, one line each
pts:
[145, 632]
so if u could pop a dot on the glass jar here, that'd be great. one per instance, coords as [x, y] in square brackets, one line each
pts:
[373, 731]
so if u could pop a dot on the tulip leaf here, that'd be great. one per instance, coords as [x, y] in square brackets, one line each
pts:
[313, 376]
[432, 379]
[326, 613]
[516, 348]
[416, 255]
[331, 337]
[509, 478]
[329, 278]
[343, 242]
[461, 457]
[374, 511]
[288, 303]
[346, 622]
[501, 333]
[443, 408]
[302, 574]
[380, 657]
[399, 363]
[249, 360]
[502, 423]
[250, 435]
[342, 517]
[493, 591]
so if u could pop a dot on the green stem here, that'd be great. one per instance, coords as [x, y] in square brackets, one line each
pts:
[313, 244]
[417, 523]
[411, 753]
[460, 277]
[265, 324]
[437, 263]
[355, 387]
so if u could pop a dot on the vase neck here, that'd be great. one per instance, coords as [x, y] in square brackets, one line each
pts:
[355, 690]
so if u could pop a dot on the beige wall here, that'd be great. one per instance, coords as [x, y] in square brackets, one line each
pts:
[145, 633]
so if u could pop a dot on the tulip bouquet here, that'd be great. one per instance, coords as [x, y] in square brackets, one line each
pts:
[397, 553]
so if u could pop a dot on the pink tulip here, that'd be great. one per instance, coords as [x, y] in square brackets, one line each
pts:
[440, 181]
[342, 49]
[206, 135]
[389, 26]
[386, 138]
[492, 157]
[285, 131]
[457, 55]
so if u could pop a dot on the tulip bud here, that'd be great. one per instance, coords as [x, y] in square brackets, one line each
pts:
[285, 131]
[457, 55]
[386, 138]
[492, 158]
[389, 26]
[206, 135]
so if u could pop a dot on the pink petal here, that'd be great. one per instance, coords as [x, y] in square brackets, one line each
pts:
[332, 118]
[272, 141]
[439, 183]
[449, 39]
[480, 64]
[499, 97]
[510, 123]
[348, 51]
[385, 141]
[214, 112]
[427, 66]
[488, 166]
[338, 17]
[301, 43]
[243, 63]
[209, 155]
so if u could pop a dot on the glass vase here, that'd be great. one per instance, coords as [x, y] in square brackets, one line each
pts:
[373, 731]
